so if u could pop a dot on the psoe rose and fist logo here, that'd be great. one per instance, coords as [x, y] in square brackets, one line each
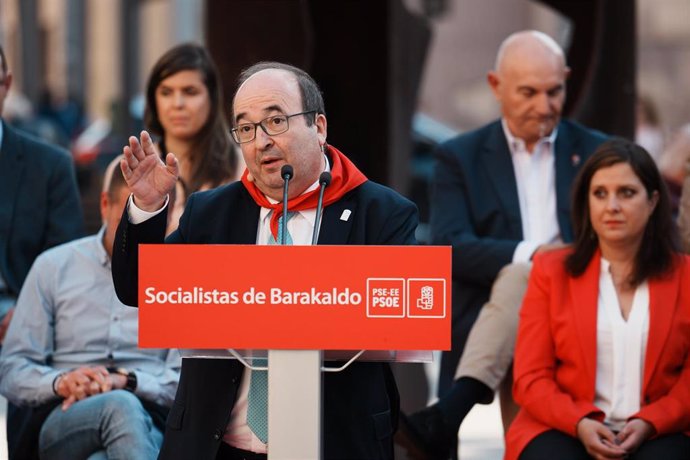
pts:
[401, 297]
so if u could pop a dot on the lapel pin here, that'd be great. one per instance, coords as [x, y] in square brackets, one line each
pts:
[575, 159]
[345, 216]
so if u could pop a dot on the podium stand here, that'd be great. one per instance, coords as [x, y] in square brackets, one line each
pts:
[297, 402]
[395, 299]
[294, 402]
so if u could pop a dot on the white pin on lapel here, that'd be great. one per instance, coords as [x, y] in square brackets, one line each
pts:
[345, 216]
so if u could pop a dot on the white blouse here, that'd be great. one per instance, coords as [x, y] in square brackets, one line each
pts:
[621, 348]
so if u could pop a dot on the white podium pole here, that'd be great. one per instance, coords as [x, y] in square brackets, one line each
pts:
[294, 404]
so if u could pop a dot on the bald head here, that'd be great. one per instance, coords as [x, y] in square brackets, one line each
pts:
[528, 45]
[529, 83]
[273, 92]
[113, 199]
[310, 93]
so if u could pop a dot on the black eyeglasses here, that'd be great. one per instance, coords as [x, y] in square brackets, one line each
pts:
[277, 124]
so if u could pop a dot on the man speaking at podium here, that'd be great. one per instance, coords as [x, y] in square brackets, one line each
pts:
[278, 119]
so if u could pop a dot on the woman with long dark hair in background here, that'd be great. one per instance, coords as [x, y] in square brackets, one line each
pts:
[183, 108]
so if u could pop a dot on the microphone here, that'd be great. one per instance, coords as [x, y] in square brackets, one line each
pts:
[286, 172]
[324, 181]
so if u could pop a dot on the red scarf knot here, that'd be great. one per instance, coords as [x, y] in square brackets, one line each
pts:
[344, 177]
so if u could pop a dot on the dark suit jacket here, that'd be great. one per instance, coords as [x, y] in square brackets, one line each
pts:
[39, 209]
[475, 209]
[39, 203]
[556, 352]
[360, 404]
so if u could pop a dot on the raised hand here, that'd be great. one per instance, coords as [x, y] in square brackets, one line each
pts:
[149, 179]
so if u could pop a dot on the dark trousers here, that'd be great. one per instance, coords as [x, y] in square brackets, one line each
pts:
[670, 447]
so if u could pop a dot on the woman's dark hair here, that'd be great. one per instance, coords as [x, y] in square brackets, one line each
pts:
[211, 158]
[660, 242]
[312, 98]
[3, 62]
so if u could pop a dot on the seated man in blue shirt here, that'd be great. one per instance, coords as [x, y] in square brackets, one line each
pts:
[70, 359]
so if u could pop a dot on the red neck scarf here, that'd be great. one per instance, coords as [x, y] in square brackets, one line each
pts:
[344, 177]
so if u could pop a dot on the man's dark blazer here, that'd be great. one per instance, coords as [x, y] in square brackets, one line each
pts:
[39, 209]
[360, 404]
[475, 209]
[39, 203]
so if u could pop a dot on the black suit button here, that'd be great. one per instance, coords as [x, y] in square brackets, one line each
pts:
[218, 434]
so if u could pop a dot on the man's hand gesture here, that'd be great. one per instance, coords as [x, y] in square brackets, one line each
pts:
[81, 383]
[149, 179]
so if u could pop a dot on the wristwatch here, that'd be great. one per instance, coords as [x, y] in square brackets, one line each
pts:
[131, 384]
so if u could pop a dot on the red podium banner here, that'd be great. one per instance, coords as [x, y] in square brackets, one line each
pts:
[295, 297]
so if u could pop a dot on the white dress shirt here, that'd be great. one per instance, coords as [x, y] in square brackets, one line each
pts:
[535, 176]
[621, 348]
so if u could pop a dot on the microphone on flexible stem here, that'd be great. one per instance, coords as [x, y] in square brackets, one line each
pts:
[286, 172]
[324, 181]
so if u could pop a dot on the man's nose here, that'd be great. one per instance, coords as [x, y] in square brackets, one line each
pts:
[261, 139]
[543, 104]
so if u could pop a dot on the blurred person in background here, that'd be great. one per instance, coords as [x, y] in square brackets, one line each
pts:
[71, 361]
[673, 162]
[602, 361]
[183, 108]
[500, 194]
[649, 133]
[682, 144]
[39, 203]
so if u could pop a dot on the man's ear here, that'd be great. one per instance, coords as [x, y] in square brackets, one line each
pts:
[104, 204]
[321, 128]
[494, 82]
[8, 81]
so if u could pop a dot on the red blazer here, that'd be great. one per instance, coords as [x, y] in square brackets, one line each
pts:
[555, 355]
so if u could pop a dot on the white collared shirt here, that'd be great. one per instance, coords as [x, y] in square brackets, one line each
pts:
[621, 349]
[535, 176]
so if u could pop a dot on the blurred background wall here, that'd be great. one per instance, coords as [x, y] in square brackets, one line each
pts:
[76, 45]
[398, 75]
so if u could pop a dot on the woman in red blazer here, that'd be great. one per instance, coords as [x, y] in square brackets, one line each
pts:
[604, 321]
